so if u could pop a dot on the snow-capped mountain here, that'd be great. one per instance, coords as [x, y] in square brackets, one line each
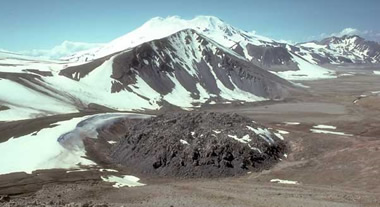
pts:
[185, 69]
[338, 50]
[159, 27]
[263, 52]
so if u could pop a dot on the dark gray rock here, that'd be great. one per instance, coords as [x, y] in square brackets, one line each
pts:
[198, 145]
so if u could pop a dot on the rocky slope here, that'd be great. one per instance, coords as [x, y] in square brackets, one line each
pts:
[183, 70]
[199, 145]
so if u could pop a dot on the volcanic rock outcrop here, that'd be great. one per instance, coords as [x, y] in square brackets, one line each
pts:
[198, 145]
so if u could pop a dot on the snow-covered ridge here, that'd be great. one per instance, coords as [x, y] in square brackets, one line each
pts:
[345, 49]
[186, 69]
[159, 27]
[219, 31]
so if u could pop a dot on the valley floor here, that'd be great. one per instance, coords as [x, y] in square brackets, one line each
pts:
[332, 166]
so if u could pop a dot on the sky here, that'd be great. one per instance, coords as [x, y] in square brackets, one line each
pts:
[46, 24]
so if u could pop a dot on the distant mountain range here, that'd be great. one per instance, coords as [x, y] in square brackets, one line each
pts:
[338, 50]
[170, 62]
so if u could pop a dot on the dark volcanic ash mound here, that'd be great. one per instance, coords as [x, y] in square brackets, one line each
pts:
[198, 145]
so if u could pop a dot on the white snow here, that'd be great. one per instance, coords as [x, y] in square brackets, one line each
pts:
[179, 96]
[282, 131]
[112, 142]
[184, 142]
[96, 88]
[158, 28]
[216, 131]
[126, 180]
[307, 71]
[376, 72]
[263, 133]
[47, 149]
[41, 151]
[108, 170]
[279, 136]
[77, 170]
[25, 103]
[321, 126]
[245, 139]
[292, 123]
[319, 131]
[289, 182]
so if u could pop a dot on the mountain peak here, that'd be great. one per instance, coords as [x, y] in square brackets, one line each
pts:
[209, 22]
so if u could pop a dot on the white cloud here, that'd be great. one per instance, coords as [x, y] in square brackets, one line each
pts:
[62, 50]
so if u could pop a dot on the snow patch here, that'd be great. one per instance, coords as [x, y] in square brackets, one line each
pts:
[288, 182]
[126, 180]
[282, 131]
[321, 126]
[292, 123]
[307, 71]
[184, 142]
[319, 131]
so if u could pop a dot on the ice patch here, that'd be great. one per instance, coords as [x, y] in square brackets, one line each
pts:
[279, 136]
[126, 180]
[245, 139]
[289, 182]
[61, 144]
[108, 170]
[24, 154]
[78, 170]
[319, 131]
[216, 131]
[321, 126]
[263, 133]
[292, 123]
[184, 142]
[282, 131]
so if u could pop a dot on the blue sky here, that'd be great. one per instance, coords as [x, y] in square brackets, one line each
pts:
[43, 24]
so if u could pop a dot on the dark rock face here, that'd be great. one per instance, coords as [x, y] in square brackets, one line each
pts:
[198, 145]
[192, 60]
[269, 55]
[158, 61]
